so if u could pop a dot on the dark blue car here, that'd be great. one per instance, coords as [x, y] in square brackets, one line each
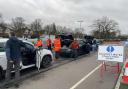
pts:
[84, 48]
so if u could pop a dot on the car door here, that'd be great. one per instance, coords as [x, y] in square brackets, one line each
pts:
[3, 60]
[86, 47]
[81, 47]
[28, 54]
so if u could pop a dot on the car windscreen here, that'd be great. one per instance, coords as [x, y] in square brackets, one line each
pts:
[81, 42]
[2, 47]
[63, 37]
[29, 46]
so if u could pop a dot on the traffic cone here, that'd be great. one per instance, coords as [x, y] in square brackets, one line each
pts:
[125, 77]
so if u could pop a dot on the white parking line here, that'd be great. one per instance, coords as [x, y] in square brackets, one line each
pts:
[84, 78]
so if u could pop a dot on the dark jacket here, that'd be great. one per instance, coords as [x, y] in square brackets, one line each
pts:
[13, 48]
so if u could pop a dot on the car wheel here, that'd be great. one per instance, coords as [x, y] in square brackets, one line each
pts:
[46, 61]
[87, 52]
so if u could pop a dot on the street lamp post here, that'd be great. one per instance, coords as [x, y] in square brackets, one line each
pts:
[80, 21]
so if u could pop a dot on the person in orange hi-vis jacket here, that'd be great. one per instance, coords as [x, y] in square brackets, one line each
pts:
[39, 43]
[57, 46]
[74, 46]
[49, 43]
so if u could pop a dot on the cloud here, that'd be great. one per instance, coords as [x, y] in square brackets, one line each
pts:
[67, 12]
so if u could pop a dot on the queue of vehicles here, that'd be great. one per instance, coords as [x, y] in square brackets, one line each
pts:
[85, 45]
[29, 57]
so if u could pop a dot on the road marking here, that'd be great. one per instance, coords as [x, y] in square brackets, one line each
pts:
[84, 78]
[117, 86]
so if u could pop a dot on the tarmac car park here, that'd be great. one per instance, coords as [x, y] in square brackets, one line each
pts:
[28, 56]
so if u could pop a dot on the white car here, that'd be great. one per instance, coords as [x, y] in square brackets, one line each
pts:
[28, 56]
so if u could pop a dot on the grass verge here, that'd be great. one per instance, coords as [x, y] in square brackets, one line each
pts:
[123, 86]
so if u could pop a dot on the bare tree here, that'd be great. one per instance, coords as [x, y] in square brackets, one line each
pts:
[1, 19]
[51, 29]
[104, 27]
[54, 31]
[36, 25]
[61, 29]
[18, 25]
[79, 32]
[96, 33]
[3, 25]
[47, 29]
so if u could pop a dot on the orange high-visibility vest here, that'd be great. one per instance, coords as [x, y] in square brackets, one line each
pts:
[48, 42]
[39, 43]
[74, 45]
[57, 45]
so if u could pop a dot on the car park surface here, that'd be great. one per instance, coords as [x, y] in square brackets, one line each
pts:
[66, 76]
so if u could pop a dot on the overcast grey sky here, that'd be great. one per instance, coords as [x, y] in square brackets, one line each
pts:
[67, 12]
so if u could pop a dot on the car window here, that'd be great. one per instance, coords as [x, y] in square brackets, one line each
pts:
[29, 46]
[81, 42]
[63, 37]
[2, 47]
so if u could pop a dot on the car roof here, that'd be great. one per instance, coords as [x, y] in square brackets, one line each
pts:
[5, 39]
[28, 42]
[88, 37]
[79, 40]
[66, 36]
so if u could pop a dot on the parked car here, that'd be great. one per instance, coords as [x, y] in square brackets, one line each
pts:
[93, 42]
[84, 48]
[66, 39]
[28, 56]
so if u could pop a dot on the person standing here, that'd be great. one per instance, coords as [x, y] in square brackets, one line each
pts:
[13, 54]
[94, 46]
[49, 43]
[57, 46]
[74, 46]
[39, 43]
